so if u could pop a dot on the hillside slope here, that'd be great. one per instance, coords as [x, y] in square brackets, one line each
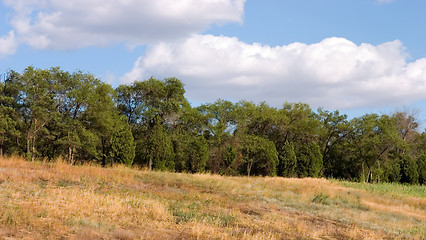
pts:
[56, 200]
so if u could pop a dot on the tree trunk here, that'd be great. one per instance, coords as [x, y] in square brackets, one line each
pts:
[70, 148]
[370, 176]
[72, 155]
[33, 140]
[28, 144]
[249, 166]
[379, 171]
[1, 146]
[363, 173]
[33, 149]
[103, 153]
[150, 164]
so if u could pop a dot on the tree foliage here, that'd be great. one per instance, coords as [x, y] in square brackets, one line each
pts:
[259, 156]
[123, 146]
[51, 113]
[287, 160]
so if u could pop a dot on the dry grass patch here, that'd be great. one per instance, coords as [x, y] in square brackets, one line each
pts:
[56, 200]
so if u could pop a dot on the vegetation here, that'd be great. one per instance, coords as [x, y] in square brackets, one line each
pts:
[49, 114]
[55, 200]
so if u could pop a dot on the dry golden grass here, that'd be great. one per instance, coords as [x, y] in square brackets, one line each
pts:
[55, 200]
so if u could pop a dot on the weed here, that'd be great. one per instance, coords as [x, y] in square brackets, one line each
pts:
[70, 221]
[227, 220]
[42, 214]
[42, 183]
[183, 213]
[322, 199]
[66, 183]
[10, 220]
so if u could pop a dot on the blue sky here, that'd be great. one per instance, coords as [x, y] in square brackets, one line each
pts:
[357, 56]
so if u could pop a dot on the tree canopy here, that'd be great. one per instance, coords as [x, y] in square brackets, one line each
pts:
[51, 113]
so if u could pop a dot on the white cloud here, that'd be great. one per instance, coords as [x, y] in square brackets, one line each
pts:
[109, 77]
[58, 24]
[384, 1]
[334, 73]
[8, 44]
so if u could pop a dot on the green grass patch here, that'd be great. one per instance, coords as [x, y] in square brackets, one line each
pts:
[388, 188]
[64, 183]
[195, 211]
[322, 199]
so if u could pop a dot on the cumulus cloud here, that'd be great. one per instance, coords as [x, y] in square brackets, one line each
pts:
[58, 24]
[334, 73]
[8, 44]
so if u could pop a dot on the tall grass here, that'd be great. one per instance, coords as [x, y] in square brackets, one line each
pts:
[55, 200]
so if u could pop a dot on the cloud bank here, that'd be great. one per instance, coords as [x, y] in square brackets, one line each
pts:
[60, 25]
[334, 73]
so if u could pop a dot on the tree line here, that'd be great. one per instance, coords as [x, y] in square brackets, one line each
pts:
[51, 113]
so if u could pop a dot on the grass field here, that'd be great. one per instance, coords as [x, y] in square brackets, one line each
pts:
[59, 201]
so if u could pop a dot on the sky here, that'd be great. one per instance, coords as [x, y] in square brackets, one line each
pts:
[355, 56]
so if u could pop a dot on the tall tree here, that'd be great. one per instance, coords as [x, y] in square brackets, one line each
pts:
[229, 155]
[309, 160]
[7, 122]
[102, 119]
[123, 145]
[153, 108]
[37, 105]
[157, 149]
[421, 158]
[259, 156]
[287, 160]
[374, 138]
[74, 99]
[333, 132]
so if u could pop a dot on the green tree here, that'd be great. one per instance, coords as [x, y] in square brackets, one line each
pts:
[11, 104]
[101, 121]
[261, 120]
[197, 154]
[221, 123]
[287, 160]
[409, 170]
[153, 108]
[309, 160]
[334, 133]
[74, 98]
[421, 163]
[302, 123]
[421, 158]
[7, 122]
[374, 139]
[229, 155]
[190, 146]
[37, 105]
[157, 149]
[123, 145]
[259, 156]
[130, 103]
